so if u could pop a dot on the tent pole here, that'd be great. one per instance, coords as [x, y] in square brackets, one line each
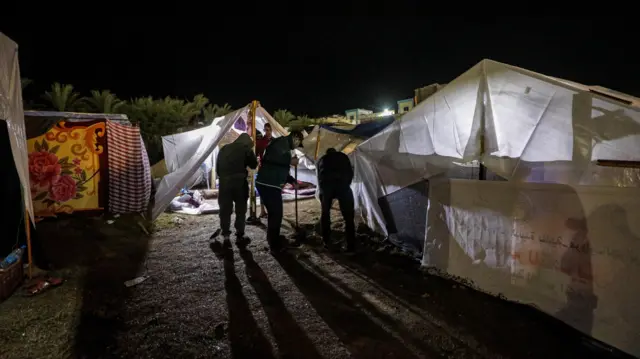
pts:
[252, 192]
[27, 222]
[315, 157]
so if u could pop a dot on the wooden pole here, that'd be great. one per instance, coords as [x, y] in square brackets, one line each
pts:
[315, 157]
[27, 222]
[252, 192]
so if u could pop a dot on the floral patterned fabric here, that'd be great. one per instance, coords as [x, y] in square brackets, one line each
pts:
[64, 167]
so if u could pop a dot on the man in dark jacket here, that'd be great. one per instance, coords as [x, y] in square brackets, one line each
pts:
[334, 179]
[231, 167]
[272, 176]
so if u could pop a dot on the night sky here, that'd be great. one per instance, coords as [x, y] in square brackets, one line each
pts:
[318, 65]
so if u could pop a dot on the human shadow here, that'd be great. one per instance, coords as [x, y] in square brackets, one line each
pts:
[362, 336]
[245, 336]
[292, 340]
[357, 297]
[102, 315]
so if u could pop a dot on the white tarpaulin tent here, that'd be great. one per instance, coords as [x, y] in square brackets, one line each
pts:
[11, 111]
[520, 124]
[524, 127]
[186, 152]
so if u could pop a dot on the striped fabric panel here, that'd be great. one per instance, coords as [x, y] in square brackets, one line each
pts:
[129, 170]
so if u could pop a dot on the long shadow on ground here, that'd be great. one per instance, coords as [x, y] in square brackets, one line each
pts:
[112, 254]
[291, 338]
[360, 334]
[427, 343]
[246, 338]
[510, 329]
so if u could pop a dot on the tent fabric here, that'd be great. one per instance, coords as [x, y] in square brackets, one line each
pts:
[129, 170]
[364, 130]
[185, 153]
[11, 111]
[521, 125]
[42, 121]
[67, 168]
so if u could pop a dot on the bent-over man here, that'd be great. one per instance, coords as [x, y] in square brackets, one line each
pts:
[334, 179]
[231, 166]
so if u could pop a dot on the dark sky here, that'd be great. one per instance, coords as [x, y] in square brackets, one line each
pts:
[318, 65]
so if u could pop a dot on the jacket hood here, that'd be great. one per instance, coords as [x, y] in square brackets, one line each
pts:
[244, 139]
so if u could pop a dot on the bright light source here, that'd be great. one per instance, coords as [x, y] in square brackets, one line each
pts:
[386, 112]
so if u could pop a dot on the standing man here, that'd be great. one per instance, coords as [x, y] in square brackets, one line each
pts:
[334, 178]
[272, 176]
[261, 146]
[231, 167]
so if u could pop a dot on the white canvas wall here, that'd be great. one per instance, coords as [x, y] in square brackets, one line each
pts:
[11, 111]
[571, 251]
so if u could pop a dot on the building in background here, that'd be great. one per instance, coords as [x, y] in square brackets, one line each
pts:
[405, 105]
[355, 116]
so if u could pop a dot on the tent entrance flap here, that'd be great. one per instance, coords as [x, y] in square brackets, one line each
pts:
[185, 152]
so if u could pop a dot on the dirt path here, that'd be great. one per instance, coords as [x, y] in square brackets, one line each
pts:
[206, 301]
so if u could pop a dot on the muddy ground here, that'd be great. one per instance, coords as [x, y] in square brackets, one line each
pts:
[205, 301]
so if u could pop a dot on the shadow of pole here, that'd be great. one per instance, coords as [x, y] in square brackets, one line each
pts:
[359, 333]
[245, 337]
[291, 339]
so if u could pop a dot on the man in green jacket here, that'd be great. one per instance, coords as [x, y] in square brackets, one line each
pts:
[231, 167]
[272, 176]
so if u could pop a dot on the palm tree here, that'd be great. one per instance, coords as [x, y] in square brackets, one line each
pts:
[104, 102]
[214, 111]
[283, 117]
[62, 98]
[305, 120]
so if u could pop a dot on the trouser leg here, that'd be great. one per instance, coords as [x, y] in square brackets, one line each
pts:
[241, 196]
[272, 199]
[325, 218]
[274, 221]
[225, 201]
[346, 202]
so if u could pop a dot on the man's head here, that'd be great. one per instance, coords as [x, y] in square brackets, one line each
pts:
[296, 139]
[258, 135]
[331, 150]
[267, 130]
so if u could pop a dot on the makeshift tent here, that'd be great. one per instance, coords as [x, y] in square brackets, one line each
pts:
[15, 175]
[186, 153]
[180, 147]
[98, 160]
[522, 239]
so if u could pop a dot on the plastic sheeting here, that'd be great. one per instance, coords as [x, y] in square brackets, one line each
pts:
[571, 251]
[363, 130]
[521, 125]
[11, 111]
[185, 153]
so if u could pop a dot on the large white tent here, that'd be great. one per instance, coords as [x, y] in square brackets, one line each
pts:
[11, 111]
[520, 124]
[558, 230]
[186, 152]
